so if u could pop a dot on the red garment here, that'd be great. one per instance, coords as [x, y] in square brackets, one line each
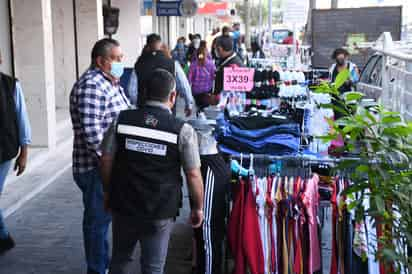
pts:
[235, 229]
[289, 41]
[244, 233]
[252, 242]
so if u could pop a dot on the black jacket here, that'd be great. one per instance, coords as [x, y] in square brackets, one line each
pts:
[146, 181]
[144, 67]
[232, 60]
[9, 133]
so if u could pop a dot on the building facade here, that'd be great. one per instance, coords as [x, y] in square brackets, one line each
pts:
[46, 44]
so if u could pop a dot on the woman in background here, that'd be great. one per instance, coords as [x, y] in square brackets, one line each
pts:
[201, 76]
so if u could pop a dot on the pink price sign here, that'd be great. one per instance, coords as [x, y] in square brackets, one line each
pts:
[238, 79]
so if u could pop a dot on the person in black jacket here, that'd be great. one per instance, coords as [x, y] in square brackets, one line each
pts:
[15, 137]
[257, 51]
[227, 58]
[143, 153]
[151, 58]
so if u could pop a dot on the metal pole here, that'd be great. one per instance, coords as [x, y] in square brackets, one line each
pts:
[247, 23]
[334, 4]
[295, 46]
[308, 34]
[270, 19]
[260, 16]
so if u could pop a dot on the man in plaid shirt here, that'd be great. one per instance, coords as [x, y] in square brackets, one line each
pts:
[95, 101]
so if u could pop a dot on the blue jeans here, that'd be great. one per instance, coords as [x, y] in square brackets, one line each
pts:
[274, 145]
[255, 134]
[153, 236]
[225, 128]
[96, 221]
[4, 170]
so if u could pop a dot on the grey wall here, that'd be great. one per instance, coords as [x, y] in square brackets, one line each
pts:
[331, 28]
[64, 50]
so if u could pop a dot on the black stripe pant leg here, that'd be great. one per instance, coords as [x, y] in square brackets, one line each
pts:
[209, 238]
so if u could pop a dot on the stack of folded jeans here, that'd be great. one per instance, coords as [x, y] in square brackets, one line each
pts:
[277, 138]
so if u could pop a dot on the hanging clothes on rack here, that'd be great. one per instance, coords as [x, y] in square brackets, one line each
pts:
[278, 220]
[276, 216]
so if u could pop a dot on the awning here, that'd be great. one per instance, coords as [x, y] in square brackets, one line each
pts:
[220, 9]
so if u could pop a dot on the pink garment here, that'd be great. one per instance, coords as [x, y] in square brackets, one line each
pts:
[311, 202]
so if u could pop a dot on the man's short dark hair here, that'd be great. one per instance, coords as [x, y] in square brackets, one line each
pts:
[153, 38]
[339, 51]
[225, 42]
[290, 33]
[161, 84]
[102, 48]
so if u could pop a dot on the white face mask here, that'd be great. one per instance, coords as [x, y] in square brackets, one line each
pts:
[196, 43]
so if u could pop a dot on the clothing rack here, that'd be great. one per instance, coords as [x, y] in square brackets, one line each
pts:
[299, 157]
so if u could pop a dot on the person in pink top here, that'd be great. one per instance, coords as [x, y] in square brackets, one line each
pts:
[201, 76]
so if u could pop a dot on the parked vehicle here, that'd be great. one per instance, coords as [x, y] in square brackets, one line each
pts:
[387, 76]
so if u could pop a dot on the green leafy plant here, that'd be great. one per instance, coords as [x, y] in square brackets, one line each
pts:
[383, 174]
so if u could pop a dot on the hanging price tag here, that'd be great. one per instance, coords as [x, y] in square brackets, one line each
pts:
[238, 79]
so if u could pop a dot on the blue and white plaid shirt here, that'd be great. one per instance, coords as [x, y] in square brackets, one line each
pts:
[94, 103]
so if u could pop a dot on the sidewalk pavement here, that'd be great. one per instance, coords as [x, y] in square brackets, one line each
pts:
[43, 211]
[48, 233]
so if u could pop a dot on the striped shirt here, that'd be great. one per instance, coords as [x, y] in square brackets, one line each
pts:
[95, 101]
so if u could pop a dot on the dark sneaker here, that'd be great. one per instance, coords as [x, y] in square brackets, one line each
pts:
[6, 244]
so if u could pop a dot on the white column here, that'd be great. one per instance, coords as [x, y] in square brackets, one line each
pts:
[173, 21]
[129, 31]
[64, 50]
[33, 51]
[89, 14]
[155, 20]
[163, 29]
[183, 27]
[5, 49]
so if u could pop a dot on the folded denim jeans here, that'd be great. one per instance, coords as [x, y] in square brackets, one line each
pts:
[236, 152]
[278, 144]
[225, 128]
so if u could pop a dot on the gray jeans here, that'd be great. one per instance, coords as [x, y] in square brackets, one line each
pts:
[154, 241]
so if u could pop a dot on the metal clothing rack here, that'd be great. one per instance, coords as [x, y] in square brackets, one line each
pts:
[301, 157]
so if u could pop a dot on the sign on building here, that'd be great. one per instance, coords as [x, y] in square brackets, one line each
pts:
[185, 8]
